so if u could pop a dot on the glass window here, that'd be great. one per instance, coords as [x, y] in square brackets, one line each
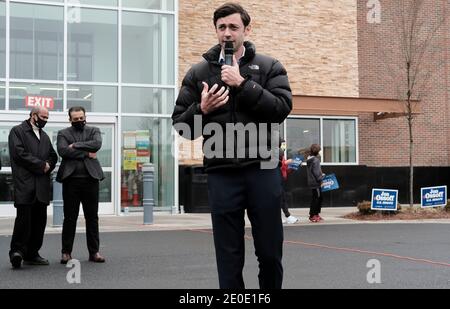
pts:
[106, 161]
[104, 156]
[2, 96]
[37, 38]
[339, 141]
[98, 2]
[147, 140]
[6, 182]
[164, 5]
[2, 39]
[4, 152]
[147, 100]
[104, 192]
[6, 188]
[99, 99]
[301, 134]
[25, 96]
[92, 47]
[148, 48]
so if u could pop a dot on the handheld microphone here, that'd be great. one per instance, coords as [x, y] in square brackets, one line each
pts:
[229, 51]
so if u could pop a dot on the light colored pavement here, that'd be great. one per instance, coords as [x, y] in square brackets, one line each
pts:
[168, 222]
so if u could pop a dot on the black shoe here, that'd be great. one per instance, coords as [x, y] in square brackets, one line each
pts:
[65, 258]
[37, 261]
[97, 258]
[16, 260]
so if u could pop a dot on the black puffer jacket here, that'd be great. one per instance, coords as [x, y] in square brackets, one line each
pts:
[264, 98]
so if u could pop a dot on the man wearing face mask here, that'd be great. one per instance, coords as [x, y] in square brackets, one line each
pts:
[80, 173]
[32, 161]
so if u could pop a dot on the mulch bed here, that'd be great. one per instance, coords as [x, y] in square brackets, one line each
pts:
[407, 214]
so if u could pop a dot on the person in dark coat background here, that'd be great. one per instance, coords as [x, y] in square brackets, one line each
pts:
[32, 161]
[80, 173]
[315, 178]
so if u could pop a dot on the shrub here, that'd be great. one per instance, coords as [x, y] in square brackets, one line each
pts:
[447, 207]
[364, 208]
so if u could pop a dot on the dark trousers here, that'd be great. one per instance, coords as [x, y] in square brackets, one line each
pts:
[230, 194]
[29, 228]
[84, 191]
[316, 202]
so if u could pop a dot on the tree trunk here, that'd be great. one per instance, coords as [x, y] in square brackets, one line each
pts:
[411, 166]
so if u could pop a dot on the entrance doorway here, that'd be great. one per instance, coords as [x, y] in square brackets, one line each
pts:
[106, 156]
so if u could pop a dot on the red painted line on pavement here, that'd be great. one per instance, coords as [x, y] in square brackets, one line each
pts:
[395, 256]
[350, 250]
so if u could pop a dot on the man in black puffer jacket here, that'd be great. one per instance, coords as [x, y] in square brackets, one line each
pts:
[237, 109]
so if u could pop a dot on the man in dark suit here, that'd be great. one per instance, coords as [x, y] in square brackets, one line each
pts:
[80, 173]
[32, 160]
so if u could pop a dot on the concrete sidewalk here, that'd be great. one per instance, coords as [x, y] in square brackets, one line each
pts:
[168, 222]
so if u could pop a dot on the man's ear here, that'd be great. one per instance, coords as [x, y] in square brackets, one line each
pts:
[248, 30]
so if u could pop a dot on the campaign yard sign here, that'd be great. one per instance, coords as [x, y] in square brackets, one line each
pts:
[329, 183]
[434, 197]
[296, 162]
[384, 199]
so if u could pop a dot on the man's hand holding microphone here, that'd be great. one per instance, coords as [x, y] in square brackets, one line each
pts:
[213, 99]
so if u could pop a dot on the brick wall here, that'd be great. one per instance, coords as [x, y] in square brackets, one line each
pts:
[316, 40]
[329, 49]
[382, 73]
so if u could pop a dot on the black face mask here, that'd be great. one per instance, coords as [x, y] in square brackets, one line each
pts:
[79, 125]
[40, 123]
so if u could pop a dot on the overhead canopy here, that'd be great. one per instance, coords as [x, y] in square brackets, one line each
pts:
[338, 106]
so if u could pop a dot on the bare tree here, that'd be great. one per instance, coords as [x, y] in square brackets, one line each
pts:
[417, 29]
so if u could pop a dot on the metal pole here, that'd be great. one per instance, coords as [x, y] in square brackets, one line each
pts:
[58, 204]
[148, 200]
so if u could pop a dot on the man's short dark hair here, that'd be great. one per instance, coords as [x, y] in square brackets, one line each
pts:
[229, 9]
[76, 109]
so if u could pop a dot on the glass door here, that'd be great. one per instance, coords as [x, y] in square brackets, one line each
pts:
[105, 156]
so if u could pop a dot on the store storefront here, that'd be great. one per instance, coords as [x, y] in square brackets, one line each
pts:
[115, 58]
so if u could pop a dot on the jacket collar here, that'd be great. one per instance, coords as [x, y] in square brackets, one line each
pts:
[213, 55]
[27, 125]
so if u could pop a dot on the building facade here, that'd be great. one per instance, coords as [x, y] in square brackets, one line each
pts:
[116, 58]
[339, 56]
[123, 60]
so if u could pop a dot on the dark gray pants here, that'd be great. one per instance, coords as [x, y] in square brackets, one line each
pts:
[231, 192]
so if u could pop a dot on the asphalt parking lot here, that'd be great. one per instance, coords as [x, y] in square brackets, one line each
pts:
[315, 257]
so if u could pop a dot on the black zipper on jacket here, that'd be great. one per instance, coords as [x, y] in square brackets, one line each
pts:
[233, 121]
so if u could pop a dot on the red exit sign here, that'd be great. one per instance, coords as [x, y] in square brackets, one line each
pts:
[33, 101]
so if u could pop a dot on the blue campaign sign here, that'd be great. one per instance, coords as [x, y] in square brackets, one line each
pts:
[329, 183]
[296, 162]
[434, 197]
[384, 199]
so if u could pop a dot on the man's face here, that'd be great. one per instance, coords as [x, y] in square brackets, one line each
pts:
[77, 116]
[43, 114]
[231, 28]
